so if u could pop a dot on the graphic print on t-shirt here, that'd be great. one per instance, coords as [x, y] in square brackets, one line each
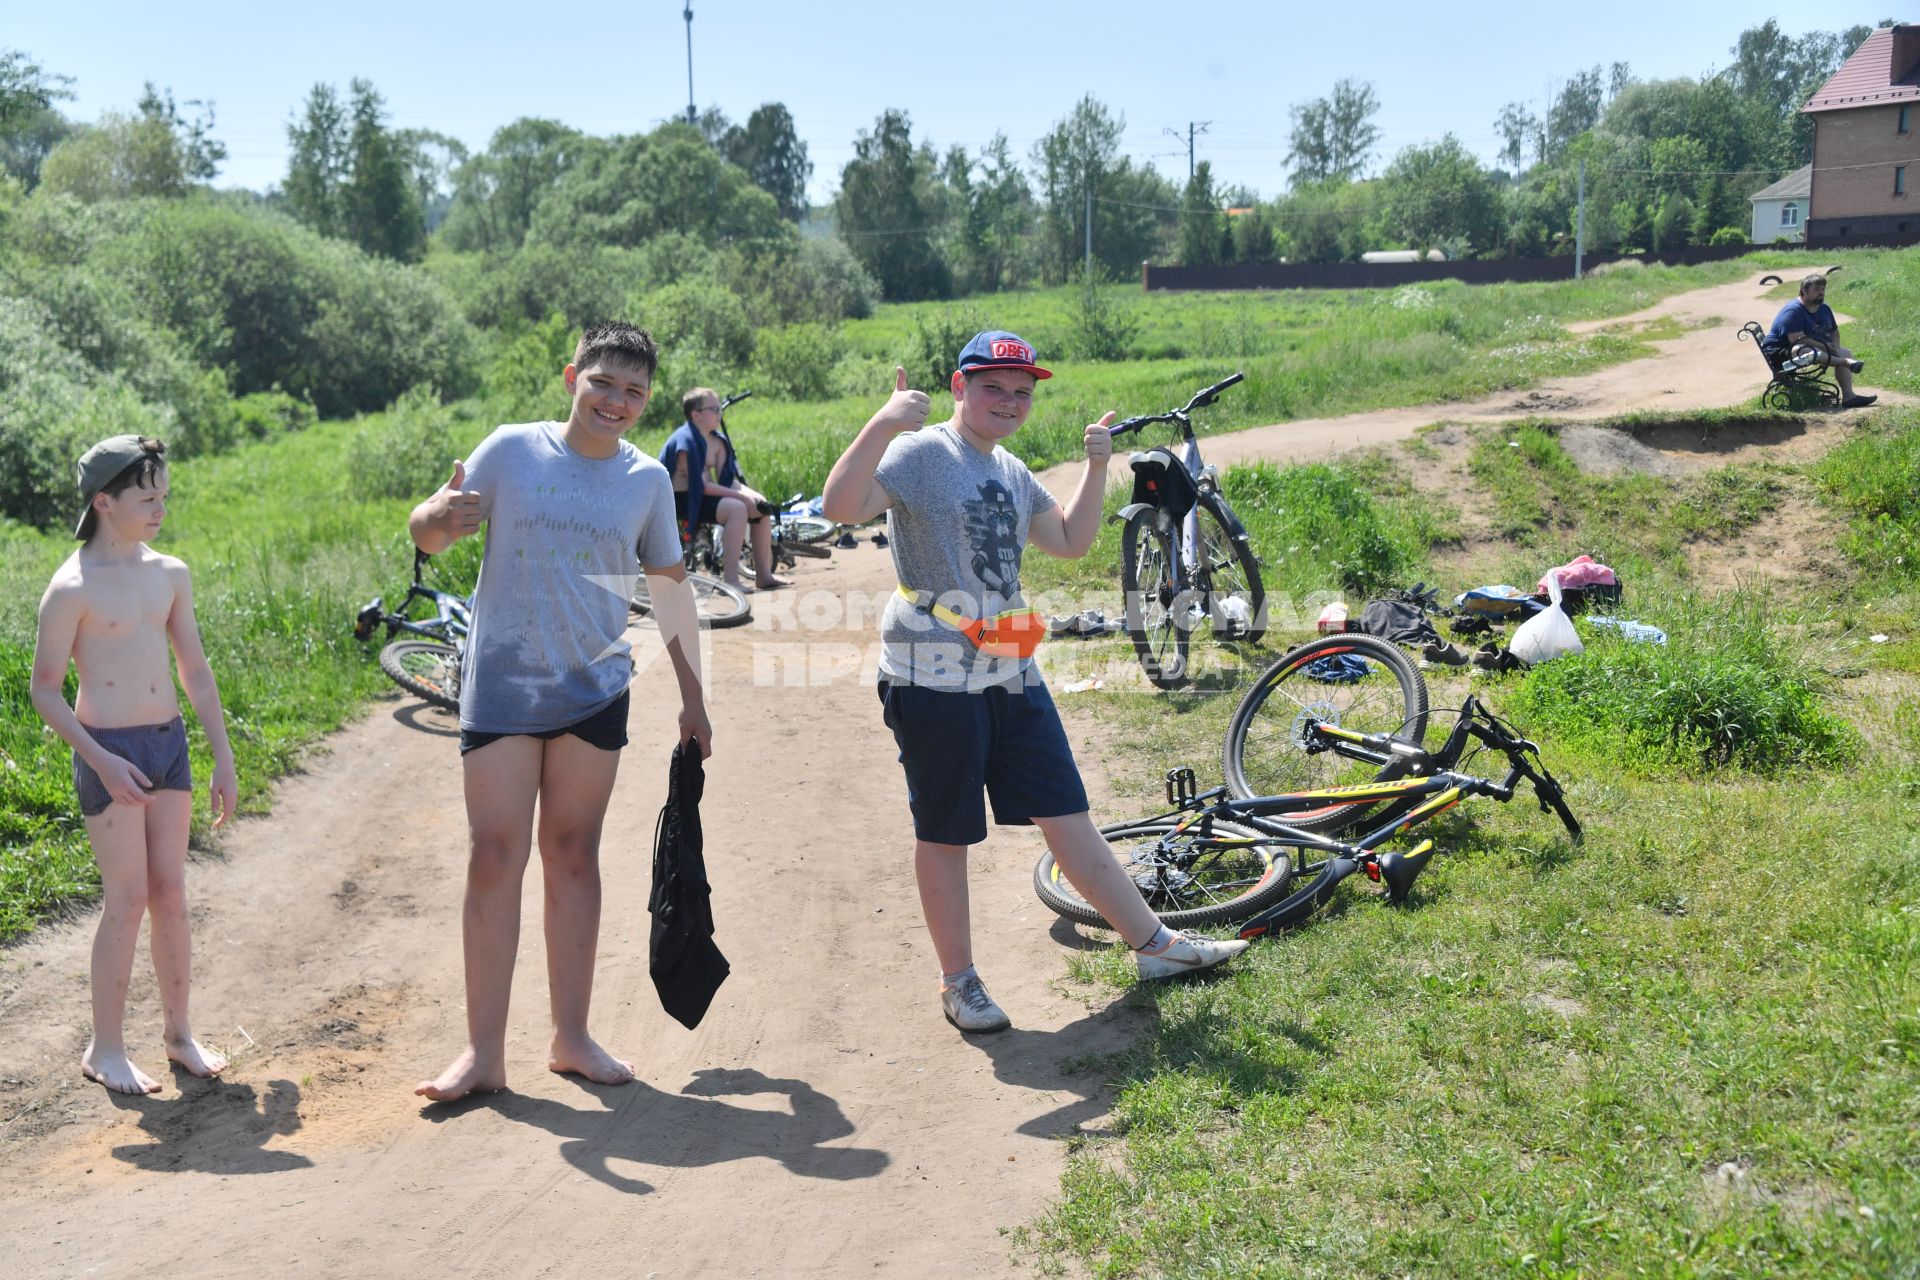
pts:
[993, 524]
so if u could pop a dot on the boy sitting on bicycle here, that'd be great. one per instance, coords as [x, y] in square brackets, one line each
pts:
[958, 685]
[543, 704]
[708, 486]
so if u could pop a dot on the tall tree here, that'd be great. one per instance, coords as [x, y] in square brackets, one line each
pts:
[1133, 209]
[155, 152]
[771, 152]
[1520, 131]
[882, 211]
[199, 152]
[432, 160]
[1439, 194]
[320, 163]
[26, 89]
[1201, 222]
[1334, 137]
[380, 207]
[496, 192]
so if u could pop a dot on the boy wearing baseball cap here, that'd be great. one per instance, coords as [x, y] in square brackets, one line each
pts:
[958, 686]
[111, 610]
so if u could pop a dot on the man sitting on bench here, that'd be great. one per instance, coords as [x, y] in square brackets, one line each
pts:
[1806, 331]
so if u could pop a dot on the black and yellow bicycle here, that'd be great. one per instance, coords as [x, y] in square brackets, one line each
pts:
[1215, 859]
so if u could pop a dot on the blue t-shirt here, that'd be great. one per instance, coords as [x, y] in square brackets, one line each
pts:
[1796, 318]
[550, 610]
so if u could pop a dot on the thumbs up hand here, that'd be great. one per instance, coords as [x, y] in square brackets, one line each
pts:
[905, 409]
[460, 508]
[1099, 443]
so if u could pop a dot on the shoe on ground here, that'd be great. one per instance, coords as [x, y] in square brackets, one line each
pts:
[1188, 953]
[846, 540]
[1857, 402]
[1444, 653]
[969, 1007]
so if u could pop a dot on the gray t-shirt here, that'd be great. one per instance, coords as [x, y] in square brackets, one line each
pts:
[957, 528]
[550, 609]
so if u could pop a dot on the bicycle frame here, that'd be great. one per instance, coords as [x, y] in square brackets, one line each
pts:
[1186, 550]
[452, 613]
[1432, 787]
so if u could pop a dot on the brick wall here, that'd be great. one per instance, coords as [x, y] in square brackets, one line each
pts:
[1864, 136]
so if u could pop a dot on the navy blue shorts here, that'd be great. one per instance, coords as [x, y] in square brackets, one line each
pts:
[1007, 741]
[605, 729]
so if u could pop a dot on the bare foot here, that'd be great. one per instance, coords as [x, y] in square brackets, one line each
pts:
[770, 584]
[466, 1075]
[115, 1072]
[582, 1057]
[200, 1061]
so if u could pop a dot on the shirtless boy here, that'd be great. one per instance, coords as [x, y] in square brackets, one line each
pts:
[112, 609]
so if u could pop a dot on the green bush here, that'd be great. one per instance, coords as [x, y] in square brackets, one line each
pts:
[1723, 692]
[406, 452]
[1103, 326]
[1729, 235]
[796, 362]
[938, 335]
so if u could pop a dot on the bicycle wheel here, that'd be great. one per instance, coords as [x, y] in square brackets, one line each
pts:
[718, 604]
[807, 528]
[1265, 753]
[425, 668]
[1228, 573]
[1213, 872]
[1153, 599]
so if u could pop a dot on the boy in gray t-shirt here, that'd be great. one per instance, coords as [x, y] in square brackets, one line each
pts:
[958, 686]
[573, 512]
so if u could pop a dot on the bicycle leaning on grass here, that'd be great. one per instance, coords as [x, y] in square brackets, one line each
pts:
[1184, 554]
[426, 663]
[1216, 859]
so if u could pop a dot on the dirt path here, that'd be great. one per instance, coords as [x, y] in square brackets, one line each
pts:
[823, 1120]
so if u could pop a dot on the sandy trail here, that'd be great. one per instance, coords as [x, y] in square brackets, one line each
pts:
[823, 1120]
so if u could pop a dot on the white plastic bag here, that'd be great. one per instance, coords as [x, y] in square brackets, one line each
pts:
[1547, 634]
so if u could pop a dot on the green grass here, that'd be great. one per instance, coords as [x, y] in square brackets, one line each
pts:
[1689, 1047]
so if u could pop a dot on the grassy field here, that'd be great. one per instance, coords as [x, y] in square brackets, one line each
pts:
[1689, 1047]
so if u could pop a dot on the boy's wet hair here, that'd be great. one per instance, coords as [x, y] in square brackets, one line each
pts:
[618, 343]
[143, 471]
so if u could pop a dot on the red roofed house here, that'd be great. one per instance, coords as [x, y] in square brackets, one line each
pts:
[1866, 144]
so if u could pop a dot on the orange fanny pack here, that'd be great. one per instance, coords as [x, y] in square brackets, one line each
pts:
[1014, 634]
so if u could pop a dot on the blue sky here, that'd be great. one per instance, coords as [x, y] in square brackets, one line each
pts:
[466, 69]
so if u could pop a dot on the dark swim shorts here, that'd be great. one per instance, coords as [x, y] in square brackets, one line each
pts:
[605, 729]
[157, 750]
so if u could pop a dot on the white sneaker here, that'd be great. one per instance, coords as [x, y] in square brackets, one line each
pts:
[1187, 953]
[969, 1007]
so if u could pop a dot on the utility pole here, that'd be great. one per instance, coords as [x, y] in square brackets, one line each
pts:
[1193, 129]
[1580, 221]
[1089, 228]
[692, 115]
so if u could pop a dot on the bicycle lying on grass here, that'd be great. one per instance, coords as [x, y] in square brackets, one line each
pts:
[1215, 859]
[427, 666]
[1184, 555]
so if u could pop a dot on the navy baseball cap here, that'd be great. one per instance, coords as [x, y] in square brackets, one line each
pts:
[998, 349]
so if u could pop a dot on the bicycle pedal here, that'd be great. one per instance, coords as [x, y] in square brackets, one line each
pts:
[1182, 786]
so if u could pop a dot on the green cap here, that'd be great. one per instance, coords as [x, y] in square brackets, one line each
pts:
[100, 464]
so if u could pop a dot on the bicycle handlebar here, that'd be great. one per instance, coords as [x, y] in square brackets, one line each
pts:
[1201, 399]
[733, 400]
